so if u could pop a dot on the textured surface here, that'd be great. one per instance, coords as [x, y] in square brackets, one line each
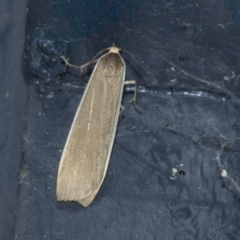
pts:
[174, 170]
[12, 110]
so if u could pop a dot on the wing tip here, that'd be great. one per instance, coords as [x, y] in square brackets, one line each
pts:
[85, 202]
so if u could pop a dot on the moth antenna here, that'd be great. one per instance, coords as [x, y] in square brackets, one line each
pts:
[150, 75]
[93, 59]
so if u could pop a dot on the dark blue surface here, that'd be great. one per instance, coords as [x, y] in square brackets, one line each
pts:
[165, 179]
[12, 111]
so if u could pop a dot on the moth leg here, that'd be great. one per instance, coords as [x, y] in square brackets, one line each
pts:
[134, 100]
[81, 67]
[121, 110]
[86, 64]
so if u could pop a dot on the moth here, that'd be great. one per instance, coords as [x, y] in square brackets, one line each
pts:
[87, 151]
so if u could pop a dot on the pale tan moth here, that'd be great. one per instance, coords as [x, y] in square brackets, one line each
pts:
[86, 154]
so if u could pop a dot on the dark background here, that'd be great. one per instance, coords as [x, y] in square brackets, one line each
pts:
[192, 49]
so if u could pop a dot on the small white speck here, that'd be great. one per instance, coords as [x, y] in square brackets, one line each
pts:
[224, 173]
[174, 171]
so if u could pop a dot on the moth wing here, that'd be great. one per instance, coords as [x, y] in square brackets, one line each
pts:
[87, 151]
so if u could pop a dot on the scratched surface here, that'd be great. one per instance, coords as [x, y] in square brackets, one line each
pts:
[174, 169]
